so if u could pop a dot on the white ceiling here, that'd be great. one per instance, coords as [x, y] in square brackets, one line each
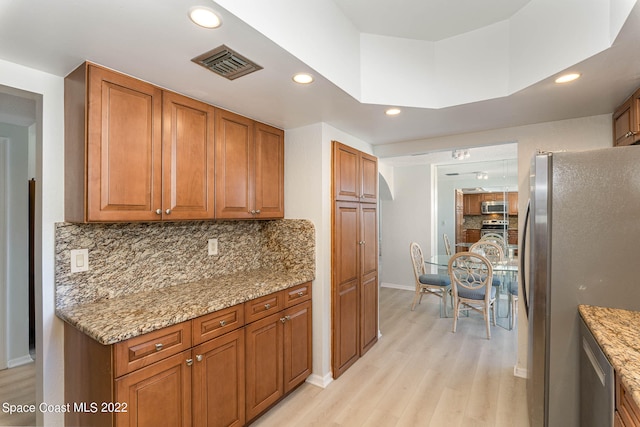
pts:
[426, 20]
[155, 41]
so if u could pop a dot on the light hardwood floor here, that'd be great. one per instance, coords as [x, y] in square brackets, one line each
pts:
[18, 386]
[418, 374]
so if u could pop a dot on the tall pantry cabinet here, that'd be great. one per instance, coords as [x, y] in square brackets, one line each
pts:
[355, 256]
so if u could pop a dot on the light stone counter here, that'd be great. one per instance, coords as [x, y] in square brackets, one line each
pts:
[618, 333]
[110, 321]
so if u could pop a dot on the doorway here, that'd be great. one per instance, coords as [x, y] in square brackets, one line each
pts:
[18, 125]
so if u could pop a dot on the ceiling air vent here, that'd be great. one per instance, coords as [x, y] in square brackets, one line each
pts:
[226, 63]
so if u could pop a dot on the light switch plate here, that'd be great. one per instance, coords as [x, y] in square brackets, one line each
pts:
[213, 246]
[79, 260]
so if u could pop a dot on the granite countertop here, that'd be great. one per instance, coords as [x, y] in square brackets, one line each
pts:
[113, 320]
[618, 333]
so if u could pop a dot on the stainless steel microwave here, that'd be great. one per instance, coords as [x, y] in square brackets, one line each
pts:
[494, 207]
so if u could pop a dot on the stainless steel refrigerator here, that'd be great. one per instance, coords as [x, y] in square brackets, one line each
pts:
[582, 247]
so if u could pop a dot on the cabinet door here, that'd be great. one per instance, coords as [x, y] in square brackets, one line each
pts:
[368, 277]
[368, 178]
[124, 158]
[473, 235]
[346, 173]
[346, 269]
[473, 204]
[218, 381]
[264, 353]
[188, 158]
[269, 174]
[234, 165]
[297, 345]
[513, 203]
[158, 395]
[626, 121]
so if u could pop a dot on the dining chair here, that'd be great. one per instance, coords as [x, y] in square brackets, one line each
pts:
[471, 276]
[497, 238]
[447, 244]
[433, 284]
[489, 249]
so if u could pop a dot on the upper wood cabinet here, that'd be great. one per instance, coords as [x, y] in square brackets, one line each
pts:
[473, 204]
[249, 168]
[626, 121]
[134, 152]
[187, 156]
[355, 175]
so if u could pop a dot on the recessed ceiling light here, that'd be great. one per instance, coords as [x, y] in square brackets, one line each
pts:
[303, 78]
[204, 17]
[566, 78]
[392, 112]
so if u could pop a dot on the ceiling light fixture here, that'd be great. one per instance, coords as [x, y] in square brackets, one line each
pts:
[460, 154]
[482, 175]
[566, 78]
[204, 17]
[303, 78]
[392, 112]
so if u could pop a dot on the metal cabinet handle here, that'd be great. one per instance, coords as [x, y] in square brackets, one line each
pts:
[158, 211]
[223, 323]
[168, 211]
[300, 293]
[257, 211]
[285, 318]
[252, 211]
[189, 362]
[158, 346]
[267, 306]
[199, 357]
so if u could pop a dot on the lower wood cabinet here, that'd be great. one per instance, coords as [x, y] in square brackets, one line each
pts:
[158, 395]
[212, 371]
[627, 412]
[278, 356]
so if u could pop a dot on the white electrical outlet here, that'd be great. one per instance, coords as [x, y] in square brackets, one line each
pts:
[213, 246]
[79, 260]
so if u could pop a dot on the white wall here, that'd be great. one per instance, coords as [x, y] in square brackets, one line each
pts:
[308, 196]
[573, 135]
[50, 198]
[405, 219]
[17, 265]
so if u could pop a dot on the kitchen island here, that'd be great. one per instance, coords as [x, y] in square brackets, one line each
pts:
[618, 334]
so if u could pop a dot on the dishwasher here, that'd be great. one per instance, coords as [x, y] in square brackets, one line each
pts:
[597, 388]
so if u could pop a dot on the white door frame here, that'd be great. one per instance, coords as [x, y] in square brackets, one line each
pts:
[4, 175]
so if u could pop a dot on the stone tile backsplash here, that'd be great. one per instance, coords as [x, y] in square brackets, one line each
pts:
[130, 258]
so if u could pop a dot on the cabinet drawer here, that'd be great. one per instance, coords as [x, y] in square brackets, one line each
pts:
[263, 306]
[146, 349]
[218, 323]
[298, 294]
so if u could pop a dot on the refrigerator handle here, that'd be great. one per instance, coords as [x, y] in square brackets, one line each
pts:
[522, 255]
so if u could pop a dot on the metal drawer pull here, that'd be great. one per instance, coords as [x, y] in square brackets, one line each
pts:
[158, 346]
[189, 362]
[223, 323]
[159, 211]
[199, 357]
[300, 293]
[267, 306]
[168, 211]
[257, 211]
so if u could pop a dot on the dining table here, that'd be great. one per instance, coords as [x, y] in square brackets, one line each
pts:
[506, 271]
